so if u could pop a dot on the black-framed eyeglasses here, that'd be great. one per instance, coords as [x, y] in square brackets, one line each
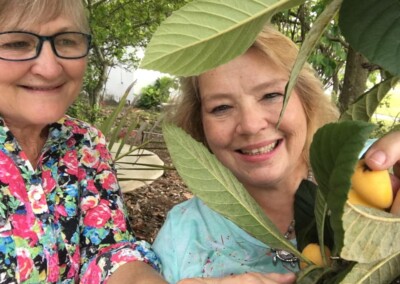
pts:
[22, 46]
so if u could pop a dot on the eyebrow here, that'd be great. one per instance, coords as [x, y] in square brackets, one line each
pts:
[271, 84]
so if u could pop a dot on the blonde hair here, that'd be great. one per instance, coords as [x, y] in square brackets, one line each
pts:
[319, 109]
[25, 13]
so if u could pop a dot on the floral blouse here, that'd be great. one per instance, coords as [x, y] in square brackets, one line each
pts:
[63, 221]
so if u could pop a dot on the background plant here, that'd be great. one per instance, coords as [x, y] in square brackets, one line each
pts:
[120, 29]
[153, 96]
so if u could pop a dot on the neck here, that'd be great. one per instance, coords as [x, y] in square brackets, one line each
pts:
[31, 140]
[277, 200]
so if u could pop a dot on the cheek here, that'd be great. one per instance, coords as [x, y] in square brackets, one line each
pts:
[216, 135]
[11, 73]
[76, 70]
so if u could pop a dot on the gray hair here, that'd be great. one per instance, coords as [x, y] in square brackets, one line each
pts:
[25, 13]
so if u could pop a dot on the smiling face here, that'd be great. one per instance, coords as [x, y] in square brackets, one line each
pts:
[241, 103]
[39, 91]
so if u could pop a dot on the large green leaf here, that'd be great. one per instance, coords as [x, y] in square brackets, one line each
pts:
[373, 28]
[207, 33]
[207, 178]
[384, 271]
[325, 236]
[305, 225]
[333, 154]
[364, 107]
[370, 234]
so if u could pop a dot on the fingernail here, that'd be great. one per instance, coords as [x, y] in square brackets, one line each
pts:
[378, 157]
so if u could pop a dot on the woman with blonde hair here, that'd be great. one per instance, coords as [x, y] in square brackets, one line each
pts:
[234, 110]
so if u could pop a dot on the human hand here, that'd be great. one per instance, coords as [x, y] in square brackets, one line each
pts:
[246, 278]
[385, 154]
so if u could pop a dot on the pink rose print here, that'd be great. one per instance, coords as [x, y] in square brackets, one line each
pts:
[125, 255]
[110, 181]
[92, 275]
[81, 174]
[60, 211]
[75, 261]
[75, 127]
[54, 272]
[48, 181]
[38, 199]
[89, 202]
[104, 153]
[98, 216]
[22, 225]
[103, 166]
[90, 158]
[119, 220]
[71, 142]
[70, 160]
[9, 174]
[25, 264]
[91, 187]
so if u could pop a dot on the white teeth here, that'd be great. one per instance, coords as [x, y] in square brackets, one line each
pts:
[259, 151]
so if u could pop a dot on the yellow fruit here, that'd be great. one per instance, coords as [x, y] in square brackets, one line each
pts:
[355, 199]
[313, 252]
[372, 186]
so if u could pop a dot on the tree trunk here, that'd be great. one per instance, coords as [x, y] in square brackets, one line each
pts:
[96, 95]
[355, 79]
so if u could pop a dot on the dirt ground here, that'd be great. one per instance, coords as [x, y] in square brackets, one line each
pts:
[148, 205]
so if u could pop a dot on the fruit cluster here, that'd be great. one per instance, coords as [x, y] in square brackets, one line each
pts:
[368, 188]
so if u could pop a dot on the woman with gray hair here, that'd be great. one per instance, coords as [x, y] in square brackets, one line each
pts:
[62, 218]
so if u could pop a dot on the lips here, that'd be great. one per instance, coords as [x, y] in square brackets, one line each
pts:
[261, 150]
[41, 88]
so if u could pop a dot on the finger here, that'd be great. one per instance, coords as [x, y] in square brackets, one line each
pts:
[385, 152]
[395, 209]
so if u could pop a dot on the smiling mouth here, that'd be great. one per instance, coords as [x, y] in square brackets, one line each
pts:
[260, 151]
[40, 88]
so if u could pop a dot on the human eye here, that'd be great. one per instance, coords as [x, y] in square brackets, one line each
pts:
[16, 43]
[220, 109]
[272, 96]
[67, 40]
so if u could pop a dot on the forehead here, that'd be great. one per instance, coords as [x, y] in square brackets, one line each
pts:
[248, 71]
[22, 16]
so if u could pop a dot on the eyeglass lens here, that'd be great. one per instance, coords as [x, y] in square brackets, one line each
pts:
[24, 46]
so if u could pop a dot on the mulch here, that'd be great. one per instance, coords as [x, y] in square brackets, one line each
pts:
[148, 205]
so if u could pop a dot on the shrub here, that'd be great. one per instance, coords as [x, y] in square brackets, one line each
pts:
[154, 95]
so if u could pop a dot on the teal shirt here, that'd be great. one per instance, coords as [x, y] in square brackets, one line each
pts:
[196, 241]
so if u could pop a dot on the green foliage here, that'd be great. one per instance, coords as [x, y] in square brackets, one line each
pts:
[333, 155]
[329, 55]
[373, 28]
[308, 45]
[366, 104]
[194, 39]
[118, 126]
[120, 28]
[82, 110]
[154, 95]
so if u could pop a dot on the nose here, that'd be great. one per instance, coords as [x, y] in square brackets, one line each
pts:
[251, 121]
[47, 64]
